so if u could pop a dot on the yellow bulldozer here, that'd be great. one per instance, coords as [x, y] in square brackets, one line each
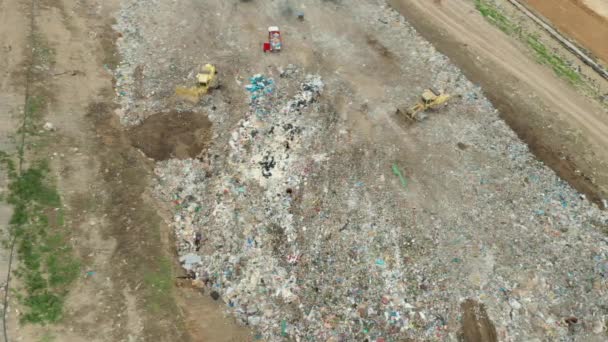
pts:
[430, 98]
[206, 79]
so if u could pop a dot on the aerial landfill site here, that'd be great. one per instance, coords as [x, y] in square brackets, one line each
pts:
[315, 214]
[327, 174]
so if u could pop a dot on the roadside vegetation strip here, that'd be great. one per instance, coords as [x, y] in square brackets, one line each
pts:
[47, 266]
[491, 13]
[543, 54]
[559, 66]
[37, 234]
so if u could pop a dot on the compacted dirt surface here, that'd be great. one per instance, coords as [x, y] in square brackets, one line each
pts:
[62, 52]
[584, 21]
[305, 208]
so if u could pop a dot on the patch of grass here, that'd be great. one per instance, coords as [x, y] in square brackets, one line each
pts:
[34, 107]
[544, 56]
[159, 282]
[559, 66]
[47, 337]
[44, 55]
[491, 13]
[30, 187]
[47, 265]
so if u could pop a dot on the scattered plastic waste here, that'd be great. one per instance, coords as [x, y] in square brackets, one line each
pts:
[397, 173]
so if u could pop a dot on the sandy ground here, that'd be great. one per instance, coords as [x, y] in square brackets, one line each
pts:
[12, 56]
[598, 6]
[117, 234]
[585, 22]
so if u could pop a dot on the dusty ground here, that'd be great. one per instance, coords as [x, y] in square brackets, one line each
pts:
[172, 135]
[580, 21]
[125, 291]
[598, 6]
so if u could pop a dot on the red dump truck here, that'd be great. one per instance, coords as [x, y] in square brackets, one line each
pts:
[274, 43]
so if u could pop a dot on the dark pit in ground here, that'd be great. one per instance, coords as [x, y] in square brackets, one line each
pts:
[172, 135]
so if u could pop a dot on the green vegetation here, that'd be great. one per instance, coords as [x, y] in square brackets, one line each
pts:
[43, 55]
[47, 266]
[491, 13]
[544, 56]
[159, 282]
[559, 66]
[47, 337]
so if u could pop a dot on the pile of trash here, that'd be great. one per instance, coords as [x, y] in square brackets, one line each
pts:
[261, 91]
[227, 224]
[298, 246]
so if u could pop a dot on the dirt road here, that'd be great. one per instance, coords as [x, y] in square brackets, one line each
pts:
[59, 54]
[563, 128]
[580, 21]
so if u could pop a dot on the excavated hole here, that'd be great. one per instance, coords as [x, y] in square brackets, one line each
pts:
[178, 135]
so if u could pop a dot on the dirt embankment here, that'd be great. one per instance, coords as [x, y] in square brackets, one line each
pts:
[125, 289]
[578, 20]
[561, 127]
[598, 6]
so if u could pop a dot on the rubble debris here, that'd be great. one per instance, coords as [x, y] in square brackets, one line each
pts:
[189, 261]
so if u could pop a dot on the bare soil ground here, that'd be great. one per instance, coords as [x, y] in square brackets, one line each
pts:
[172, 135]
[580, 21]
[125, 291]
[598, 6]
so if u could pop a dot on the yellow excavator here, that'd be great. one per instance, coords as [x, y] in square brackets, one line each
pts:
[206, 79]
[430, 98]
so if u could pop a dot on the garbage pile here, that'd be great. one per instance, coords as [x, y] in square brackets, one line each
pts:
[260, 89]
[233, 219]
[302, 241]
